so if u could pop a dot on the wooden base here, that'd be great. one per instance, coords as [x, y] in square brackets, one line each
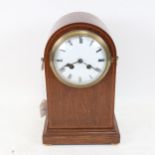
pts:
[81, 136]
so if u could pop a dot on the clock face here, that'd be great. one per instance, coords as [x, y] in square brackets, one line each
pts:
[80, 58]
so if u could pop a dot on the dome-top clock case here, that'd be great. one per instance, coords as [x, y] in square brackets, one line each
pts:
[80, 68]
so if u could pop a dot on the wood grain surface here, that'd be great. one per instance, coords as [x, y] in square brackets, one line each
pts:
[80, 115]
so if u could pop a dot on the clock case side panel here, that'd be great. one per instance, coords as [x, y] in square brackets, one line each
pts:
[59, 114]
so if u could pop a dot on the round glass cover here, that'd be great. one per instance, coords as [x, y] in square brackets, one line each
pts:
[80, 58]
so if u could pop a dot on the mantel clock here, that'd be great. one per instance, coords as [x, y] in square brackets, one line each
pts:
[80, 68]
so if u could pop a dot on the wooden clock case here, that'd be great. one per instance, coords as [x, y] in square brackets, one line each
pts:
[80, 115]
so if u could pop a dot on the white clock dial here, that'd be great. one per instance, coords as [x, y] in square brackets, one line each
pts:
[80, 58]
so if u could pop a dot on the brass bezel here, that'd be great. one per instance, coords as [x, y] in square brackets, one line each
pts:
[83, 33]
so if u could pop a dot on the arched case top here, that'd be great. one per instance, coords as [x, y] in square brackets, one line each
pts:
[80, 21]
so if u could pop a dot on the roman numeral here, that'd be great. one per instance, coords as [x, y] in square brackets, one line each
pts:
[69, 41]
[59, 60]
[80, 79]
[69, 76]
[80, 40]
[100, 49]
[101, 60]
[62, 69]
[97, 69]
[91, 42]
[62, 50]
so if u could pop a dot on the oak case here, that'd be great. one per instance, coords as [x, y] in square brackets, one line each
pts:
[85, 115]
